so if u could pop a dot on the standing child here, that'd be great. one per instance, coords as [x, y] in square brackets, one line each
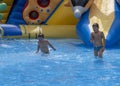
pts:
[43, 44]
[98, 39]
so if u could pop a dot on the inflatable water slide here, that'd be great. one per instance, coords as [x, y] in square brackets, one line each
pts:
[61, 19]
[107, 14]
[5, 12]
[50, 16]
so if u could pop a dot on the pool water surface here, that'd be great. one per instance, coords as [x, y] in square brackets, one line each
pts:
[72, 64]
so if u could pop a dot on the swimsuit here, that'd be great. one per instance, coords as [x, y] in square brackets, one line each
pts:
[97, 48]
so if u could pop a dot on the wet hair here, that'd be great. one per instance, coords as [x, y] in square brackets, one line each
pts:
[95, 25]
[41, 35]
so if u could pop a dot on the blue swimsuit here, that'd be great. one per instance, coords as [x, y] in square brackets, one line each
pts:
[98, 48]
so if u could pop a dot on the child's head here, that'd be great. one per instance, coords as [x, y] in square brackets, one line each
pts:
[95, 27]
[41, 35]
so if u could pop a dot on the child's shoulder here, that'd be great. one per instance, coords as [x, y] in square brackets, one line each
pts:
[101, 32]
[92, 33]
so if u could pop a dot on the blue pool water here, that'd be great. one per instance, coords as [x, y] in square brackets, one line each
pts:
[72, 64]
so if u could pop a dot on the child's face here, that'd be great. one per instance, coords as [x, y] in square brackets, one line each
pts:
[95, 29]
[40, 38]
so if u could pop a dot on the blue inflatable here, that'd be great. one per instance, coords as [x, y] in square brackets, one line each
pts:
[112, 38]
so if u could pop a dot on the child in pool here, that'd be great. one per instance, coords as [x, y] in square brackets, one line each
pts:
[43, 44]
[98, 39]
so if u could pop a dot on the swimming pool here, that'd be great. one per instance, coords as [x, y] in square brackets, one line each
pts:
[72, 64]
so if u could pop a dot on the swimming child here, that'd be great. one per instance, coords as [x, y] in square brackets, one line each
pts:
[43, 44]
[98, 39]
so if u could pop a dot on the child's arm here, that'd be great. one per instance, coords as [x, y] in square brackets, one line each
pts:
[91, 38]
[103, 37]
[51, 46]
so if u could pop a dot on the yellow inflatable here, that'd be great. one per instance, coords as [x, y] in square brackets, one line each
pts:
[36, 12]
[5, 13]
